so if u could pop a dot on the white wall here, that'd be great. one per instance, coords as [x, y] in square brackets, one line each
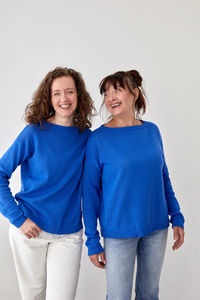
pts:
[160, 39]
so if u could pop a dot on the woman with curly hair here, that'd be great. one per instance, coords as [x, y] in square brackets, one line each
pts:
[46, 221]
[126, 185]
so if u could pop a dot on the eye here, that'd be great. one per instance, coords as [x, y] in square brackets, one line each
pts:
[56, 94]
[70, 92]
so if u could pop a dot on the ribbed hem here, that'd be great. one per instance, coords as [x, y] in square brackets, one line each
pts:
[67, 229]
[109, 233]
[18, 223]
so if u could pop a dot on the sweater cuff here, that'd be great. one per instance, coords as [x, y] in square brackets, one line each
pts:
[95, 250]
[177, 220]
[19, 221]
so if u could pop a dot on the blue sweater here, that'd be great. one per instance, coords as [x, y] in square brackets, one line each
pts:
[126, 185]
[51, 162]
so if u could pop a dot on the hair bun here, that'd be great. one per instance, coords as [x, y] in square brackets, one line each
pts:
[136, 76]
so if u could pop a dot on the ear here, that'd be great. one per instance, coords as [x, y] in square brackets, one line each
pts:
[136, 93]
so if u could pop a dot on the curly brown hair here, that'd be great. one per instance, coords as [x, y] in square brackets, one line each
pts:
[131, 79]
[41, 108]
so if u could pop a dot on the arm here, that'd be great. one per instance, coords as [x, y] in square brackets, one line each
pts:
[91, 196]
[177, 218]
[19, 151]
[14, 156]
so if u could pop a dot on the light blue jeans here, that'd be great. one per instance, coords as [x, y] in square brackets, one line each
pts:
[120, 255]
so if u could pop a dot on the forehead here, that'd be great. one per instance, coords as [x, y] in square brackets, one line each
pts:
[63, 82]
[111, 81]
[112, 85]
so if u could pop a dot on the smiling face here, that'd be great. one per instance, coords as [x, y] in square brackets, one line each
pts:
[119, 101]
[64, 98]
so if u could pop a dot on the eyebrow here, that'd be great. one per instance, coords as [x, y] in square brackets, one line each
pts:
[65, 89]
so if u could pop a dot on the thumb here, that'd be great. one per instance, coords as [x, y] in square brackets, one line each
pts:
[103, 259]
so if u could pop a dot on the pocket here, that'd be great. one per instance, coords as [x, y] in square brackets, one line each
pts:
[13, 228]
[15, 235]
[78, 236]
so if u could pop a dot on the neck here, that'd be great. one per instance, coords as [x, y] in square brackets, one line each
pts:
[124, 122]
[67, 121]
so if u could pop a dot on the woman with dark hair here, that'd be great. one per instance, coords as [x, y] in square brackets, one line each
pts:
[126, 185]
[45, 216]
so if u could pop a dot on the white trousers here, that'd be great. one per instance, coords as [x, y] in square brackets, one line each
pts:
[47, 266]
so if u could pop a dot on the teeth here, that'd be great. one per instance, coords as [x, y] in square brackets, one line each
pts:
[65, 106]
[117, 104]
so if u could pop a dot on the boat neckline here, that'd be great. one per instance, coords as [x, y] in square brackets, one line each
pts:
[133, 127]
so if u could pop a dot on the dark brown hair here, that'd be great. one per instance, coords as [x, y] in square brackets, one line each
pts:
[41, 109]
[130, 79]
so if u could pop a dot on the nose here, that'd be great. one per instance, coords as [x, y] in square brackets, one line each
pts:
[64, 96]
[111, 96]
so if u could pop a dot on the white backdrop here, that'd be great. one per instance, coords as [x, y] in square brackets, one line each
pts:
[159, 38]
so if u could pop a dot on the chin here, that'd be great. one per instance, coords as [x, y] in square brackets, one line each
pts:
[68, 114]
[117, 114]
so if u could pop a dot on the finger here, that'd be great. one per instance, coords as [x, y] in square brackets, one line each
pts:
[33, 225]
[175, 246]
[37, 228]
[32, 233]
[94, 260]
[35, 235]
[97, 263]
[179, 241]
[100, 265]
[35, 231]
[181, 234]
[103, 259]
[27, 235]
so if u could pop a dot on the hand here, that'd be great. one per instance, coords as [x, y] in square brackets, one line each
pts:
[178, 237]
[97, 262]
[30, 229]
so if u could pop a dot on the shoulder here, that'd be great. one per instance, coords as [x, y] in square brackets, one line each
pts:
[96, 133]
[22, 143]
[86, 132]
[94, 137]
[27, 133]
[155, 131]
[154, 127]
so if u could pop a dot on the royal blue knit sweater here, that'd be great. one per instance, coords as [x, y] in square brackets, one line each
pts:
[127, 185]
[51, 162]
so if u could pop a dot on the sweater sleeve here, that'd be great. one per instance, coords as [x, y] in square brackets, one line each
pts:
[13, 157]
[177, 218]
[91, 196]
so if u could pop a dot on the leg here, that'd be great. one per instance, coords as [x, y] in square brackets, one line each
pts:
[150, 256]
[30, 263]
[63, 264]
[120, 255]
